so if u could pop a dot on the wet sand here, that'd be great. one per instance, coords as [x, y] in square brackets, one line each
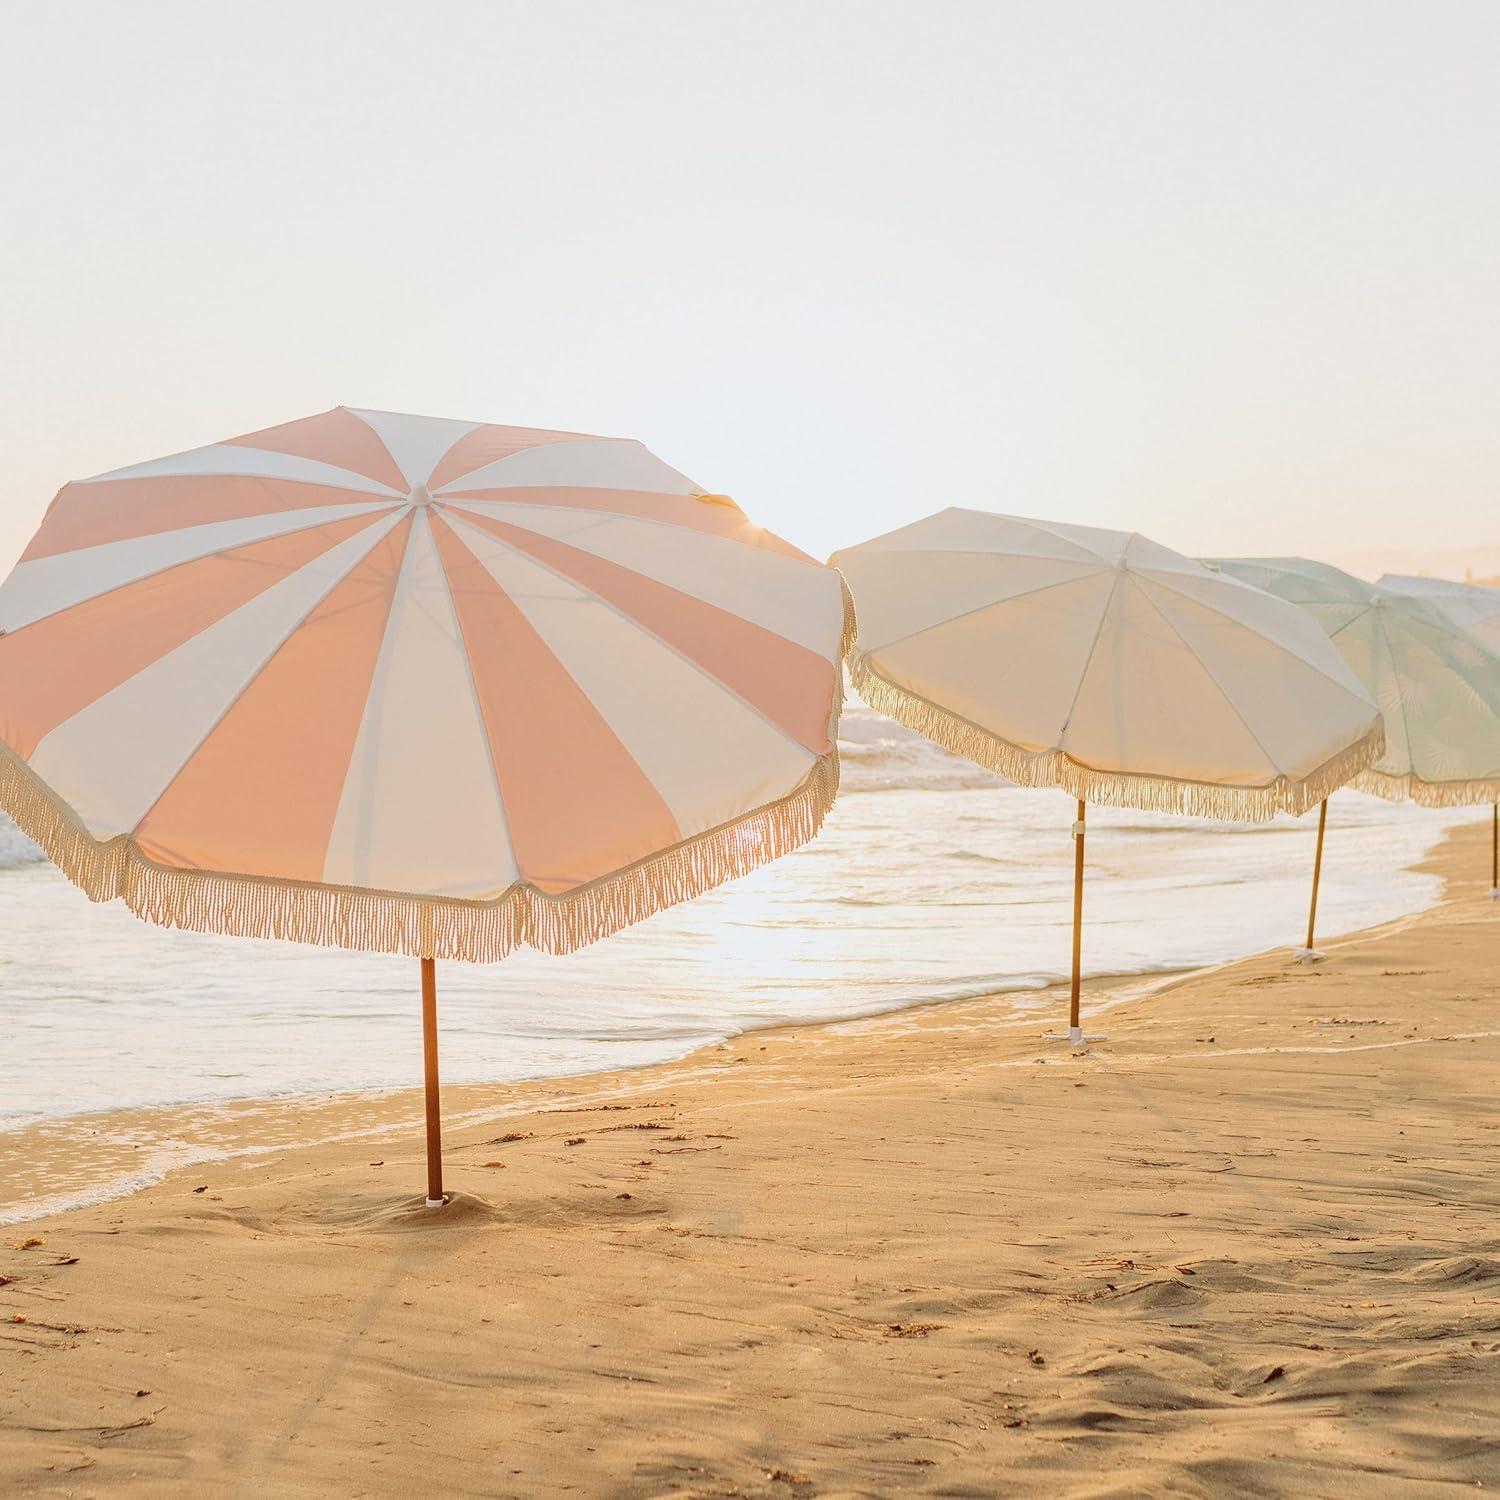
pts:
[1247, 1245]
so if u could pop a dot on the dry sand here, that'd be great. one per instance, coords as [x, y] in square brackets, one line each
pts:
[1247, 1246]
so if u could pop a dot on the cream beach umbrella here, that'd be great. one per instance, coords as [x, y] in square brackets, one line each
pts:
[1475, 608]
[1437, 685]
[1106, 665]
[413, 685]
[1470, 605]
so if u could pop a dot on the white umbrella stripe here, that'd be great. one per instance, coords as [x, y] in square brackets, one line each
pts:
[46, 586]
[114, 758]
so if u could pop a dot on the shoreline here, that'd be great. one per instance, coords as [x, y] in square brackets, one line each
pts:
[1246, 1246]
[135, 1017]
[465, 1106]
[201, 1133]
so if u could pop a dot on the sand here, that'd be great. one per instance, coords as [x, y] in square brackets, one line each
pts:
[1248, 1245]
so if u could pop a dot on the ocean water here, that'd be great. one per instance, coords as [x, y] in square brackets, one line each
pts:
[932, 880]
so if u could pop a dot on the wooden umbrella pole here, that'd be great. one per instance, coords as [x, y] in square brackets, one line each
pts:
[1495, 848]
[1075, 1025]
[1312, 911]
[435, 1197]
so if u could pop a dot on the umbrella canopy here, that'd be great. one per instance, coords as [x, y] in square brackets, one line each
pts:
[1105, 664]
[415, 685]
[1475, 608]
[1438, 687]
[1102, 663]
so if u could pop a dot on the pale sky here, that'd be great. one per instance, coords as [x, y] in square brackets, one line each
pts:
[1228, 274]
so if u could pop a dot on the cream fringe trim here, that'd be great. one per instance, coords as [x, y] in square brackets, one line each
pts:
[1114, 789]
[851, 630]
[421, 926]
[1427, 793]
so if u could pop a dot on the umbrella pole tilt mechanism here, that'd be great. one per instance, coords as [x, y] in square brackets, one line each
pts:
[1309, 954]
[436, 1197]
[1075, 1036]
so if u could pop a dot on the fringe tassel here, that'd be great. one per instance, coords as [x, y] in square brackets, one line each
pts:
[1113, 789]
[419, 926]
[1412, 788]
[851, 620]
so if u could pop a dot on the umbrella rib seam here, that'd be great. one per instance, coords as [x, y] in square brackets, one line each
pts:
[650, 634]
[569, 442]
[384, 446]
[374, 516]
[1390, 653]
[460, 502]
[1067, 719]
[1224, 614]
[979, 609]
[479, 714]
[1219, 687]
[386, 495]
[245, 686]
[1104, 562]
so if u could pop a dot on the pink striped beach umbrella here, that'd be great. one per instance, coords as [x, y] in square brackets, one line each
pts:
[414, 685]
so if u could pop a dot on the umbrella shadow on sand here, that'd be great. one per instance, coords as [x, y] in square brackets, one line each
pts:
[357, 1211]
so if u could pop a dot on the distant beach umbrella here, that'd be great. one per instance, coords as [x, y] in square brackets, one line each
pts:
[1437, 684]
[1106, 665]
[413, 685]
[1470, 605]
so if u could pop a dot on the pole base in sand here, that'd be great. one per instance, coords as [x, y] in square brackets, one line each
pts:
[1308, 955]
[1073, 1036]
[1495, 894]
[435, 1202]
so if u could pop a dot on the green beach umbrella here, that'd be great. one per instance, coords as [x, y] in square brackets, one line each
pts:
[1436, 683]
